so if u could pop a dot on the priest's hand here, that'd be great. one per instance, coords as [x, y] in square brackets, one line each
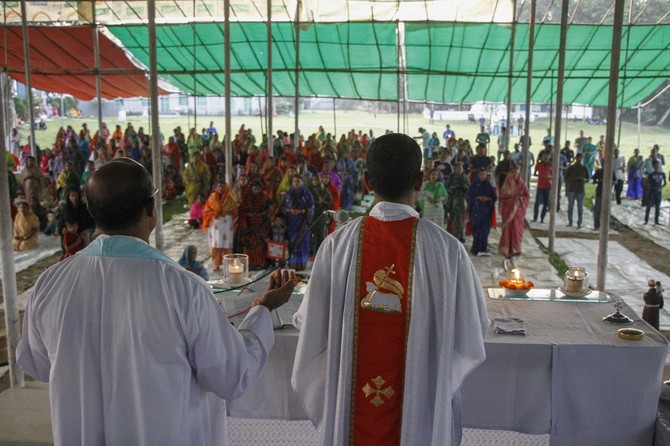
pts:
[279, 290]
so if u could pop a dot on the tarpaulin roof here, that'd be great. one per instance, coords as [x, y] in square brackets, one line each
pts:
[62, 60]
[444, 62]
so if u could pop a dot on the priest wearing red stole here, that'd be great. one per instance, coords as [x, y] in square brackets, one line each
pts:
[393, 318]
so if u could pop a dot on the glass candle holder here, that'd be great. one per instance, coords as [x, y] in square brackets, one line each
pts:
[235, 268]
[576, 280]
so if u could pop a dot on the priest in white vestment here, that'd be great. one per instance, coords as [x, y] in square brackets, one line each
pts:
[135, 349]
[448, 322]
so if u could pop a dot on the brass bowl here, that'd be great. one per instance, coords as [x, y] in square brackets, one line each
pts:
[631, 334]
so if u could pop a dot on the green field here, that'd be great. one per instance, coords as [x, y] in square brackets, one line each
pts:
[359, 120]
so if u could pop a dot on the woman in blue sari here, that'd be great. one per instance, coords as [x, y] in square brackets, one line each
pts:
[634, 168]
[481, 199]
[298, 208]
[189, 262]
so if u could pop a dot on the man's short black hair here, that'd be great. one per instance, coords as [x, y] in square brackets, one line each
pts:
[118, 193]
[393, 165]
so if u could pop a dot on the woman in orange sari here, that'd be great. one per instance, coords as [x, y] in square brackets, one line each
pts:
[218, 221]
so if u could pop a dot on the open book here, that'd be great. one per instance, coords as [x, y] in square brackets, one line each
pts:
[236, 304]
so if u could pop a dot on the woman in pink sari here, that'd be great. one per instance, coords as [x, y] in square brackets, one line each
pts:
[514, 198]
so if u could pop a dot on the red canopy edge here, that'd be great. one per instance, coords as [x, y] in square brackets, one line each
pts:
[65, 63]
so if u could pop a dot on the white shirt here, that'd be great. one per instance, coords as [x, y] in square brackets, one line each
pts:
[135, 349]
[445, 340]
[619, 168]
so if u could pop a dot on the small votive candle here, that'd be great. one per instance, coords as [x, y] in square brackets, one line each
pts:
[236, 272]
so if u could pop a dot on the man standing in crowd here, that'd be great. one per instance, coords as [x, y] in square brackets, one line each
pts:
[655, 183]
[447, 134]
[133, 346]
[425, 139]
[647, 169]
[619, 174]
[543, 173]
[576, 175]
[483, 137]
[503, 143]
[580, 141]
[393, 303]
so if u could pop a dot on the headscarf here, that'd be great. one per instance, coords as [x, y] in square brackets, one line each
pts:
[194, 266]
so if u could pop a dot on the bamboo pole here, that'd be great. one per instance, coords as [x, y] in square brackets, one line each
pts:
[296, 99]
[268, 94]
[156, 164]
[529, 90]
[555, 191]
[29, 80]
[96, 57]
[510, 79]
[228, 148]
[9, 293]
[615, 55]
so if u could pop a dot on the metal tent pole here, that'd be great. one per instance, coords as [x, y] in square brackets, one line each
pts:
[615, 56]
[156, 159]
[96, 57]
[228, 149]
[9, 293]
[555, 191]
[296, 100]
[268, 97]
[529, 90]
[29, 79]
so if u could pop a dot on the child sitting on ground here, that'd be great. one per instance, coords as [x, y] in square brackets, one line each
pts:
[73, 242]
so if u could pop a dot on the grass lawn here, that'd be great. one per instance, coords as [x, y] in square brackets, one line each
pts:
[361, 120]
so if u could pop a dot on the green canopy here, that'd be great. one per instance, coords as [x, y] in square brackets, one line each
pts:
[443, 62]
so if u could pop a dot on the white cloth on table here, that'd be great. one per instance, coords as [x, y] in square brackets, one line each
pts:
[445, 342]
[136, 350]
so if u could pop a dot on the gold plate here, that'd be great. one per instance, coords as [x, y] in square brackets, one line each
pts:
[631, 334]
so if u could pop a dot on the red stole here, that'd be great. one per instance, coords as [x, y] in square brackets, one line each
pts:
[381, 325]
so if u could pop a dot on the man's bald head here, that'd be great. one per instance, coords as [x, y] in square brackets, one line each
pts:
[118, 193]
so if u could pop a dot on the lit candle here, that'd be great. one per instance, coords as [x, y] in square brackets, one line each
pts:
[236, 272]
[516, 276]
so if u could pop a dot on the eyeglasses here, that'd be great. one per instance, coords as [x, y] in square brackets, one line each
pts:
[152, 195]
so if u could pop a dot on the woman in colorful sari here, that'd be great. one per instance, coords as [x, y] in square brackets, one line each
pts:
[457, 185]
[196, 178]
[298, 207]
[432, 197]
[272, 176]
[26, 226]
[634, 168]
[346, 168]
[254, 224]
[514, 198]
[323, 201]
[285, 185]
[189, 262]
[31, 177]
[481, 199]
[218, 220]
[335, 195]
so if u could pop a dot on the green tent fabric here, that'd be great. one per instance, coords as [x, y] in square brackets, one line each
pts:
[353, 60]
[459, 62]
[443, 62]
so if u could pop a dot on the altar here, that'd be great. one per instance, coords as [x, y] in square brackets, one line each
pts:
[570, 376]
